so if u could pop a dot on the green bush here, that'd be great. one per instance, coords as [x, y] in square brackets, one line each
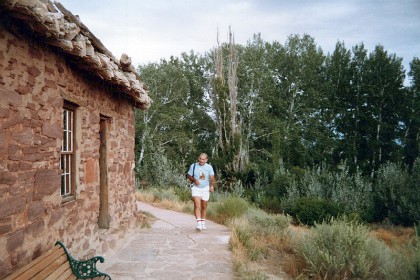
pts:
[406, 262]
[310, 210]
[270, 204]
[351, 191]
[159, 170]
[183, 193]
[225, 209]
[399, 193]
[243, 232]
[344, 250]
[266, 224]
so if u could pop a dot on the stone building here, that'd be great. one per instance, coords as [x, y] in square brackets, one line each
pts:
[66, 136]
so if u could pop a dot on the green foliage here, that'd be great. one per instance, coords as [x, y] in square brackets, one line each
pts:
[311, 210]
[352, 192]
[406, 262]
[344, 250]
[270, 204]
[267, 224]
[158, 170]
[399, 193]
[183, 193]
[226, 209]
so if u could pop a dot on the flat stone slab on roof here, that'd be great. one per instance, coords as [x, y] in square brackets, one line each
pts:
[172, 249]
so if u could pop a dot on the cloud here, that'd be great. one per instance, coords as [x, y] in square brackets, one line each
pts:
[150, 30]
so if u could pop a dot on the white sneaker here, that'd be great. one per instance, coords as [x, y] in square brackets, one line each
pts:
[199, 227]
[203, 225]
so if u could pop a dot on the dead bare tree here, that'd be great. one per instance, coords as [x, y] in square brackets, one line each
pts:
[224, 91]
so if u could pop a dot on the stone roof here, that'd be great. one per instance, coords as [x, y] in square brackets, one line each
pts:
[61, 29]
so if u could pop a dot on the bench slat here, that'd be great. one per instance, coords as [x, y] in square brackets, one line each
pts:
[51, 267]
[33, 272]
[17, 274]
[53, 271]
[67, 274]
[60, 271]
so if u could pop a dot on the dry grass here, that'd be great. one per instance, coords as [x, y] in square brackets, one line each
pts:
[393, 236]
[172, 205]
[150, 198]
[147, 197]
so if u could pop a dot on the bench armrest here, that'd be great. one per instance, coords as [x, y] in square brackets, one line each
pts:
[84, 269]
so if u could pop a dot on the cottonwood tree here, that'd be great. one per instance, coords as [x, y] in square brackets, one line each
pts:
[411, 117]
[162, 128]
[295, 102]
[385, 75]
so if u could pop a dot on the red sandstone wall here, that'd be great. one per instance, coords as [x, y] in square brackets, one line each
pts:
[34, 81]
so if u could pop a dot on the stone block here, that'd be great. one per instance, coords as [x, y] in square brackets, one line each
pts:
[4, 189]
[47, 182]
[5, 228]
[7, 178]
[10, 97]
[23, 90]
[91, 173]
[23, 137]
[4, 113]
[36, 228]
[11, 205]
[52, 130]
[14, 240]
[36, 210]
[34, 71]
[5, 267]
[13, 149]
[56, 216]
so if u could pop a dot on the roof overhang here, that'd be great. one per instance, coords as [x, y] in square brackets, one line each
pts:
[59, 28]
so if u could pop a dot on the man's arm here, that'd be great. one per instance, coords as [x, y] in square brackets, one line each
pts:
[191, 178]
[212, 183]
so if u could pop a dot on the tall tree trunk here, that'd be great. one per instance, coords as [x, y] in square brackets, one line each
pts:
[233, 83]
[225, 99]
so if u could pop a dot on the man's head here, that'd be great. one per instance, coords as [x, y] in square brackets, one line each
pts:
[202, 159]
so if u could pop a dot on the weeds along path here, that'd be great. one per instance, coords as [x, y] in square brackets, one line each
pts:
[172, 249]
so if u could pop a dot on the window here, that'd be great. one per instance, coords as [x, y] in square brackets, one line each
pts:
[67, 151]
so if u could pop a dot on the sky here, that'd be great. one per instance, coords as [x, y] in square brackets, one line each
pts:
[149, 30]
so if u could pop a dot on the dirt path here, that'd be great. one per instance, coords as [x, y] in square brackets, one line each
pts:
[172, 249]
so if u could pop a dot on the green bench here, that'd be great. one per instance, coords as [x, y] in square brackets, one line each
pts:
[57, 263]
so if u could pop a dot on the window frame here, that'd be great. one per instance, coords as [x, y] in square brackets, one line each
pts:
[67, 192]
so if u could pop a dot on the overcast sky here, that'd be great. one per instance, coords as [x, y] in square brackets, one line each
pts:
[148, 30]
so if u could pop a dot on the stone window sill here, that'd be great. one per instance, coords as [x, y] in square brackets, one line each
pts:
[68, 198]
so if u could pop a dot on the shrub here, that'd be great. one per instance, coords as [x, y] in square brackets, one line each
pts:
[406, 262]
[270, 204]
[310, 210]
[351, 191]
[344, 250]
[183, 193]
[245, 237]
[224, 210]
[159, 170]
[399, 193]
[266, 224]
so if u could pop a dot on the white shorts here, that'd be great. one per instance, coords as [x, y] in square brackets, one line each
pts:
[203, 193]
